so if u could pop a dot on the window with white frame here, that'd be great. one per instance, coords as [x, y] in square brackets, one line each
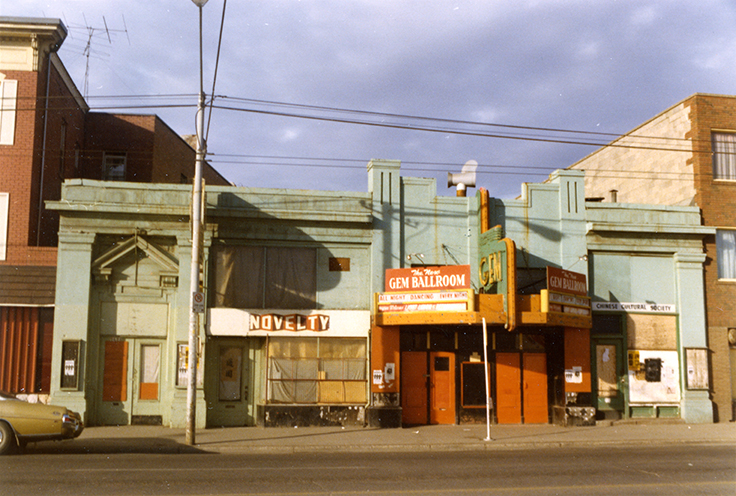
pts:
[113, 166]
[724, 155]
[8, 98]
[726, 253]
[4, 205]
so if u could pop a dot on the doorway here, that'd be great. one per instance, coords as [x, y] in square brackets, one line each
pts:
[610, 377]
[521, 388]
[131, 381]
[428, 387]
[228, 393]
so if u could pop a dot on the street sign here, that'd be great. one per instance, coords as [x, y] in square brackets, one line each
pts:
[198, 302]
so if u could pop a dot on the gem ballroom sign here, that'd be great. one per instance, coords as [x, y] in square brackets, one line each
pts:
[428, 278]
[293, 322]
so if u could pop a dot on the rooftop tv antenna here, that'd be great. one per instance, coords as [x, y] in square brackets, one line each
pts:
[92, 33]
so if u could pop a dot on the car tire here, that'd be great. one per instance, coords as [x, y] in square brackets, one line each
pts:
[7, 439]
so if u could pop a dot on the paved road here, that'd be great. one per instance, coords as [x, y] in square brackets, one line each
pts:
[674, 469]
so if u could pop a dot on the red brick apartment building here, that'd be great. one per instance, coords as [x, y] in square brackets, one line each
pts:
[687, 156]
[47, 135]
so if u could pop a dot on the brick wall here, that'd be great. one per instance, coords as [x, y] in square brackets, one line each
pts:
[19, 167]
[643, 168]
[717, 200]
[132, 134]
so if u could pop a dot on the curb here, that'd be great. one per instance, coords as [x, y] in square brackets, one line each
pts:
[493, 445]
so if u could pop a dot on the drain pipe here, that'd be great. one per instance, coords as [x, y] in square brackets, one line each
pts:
[53, 49]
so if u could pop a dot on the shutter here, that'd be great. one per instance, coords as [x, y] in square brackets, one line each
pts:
[115, 383]
[8, 94]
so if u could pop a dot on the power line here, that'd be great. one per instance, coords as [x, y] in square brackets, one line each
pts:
[672, 142]
[433, 167]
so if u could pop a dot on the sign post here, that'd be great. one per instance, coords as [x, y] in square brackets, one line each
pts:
[488, 382]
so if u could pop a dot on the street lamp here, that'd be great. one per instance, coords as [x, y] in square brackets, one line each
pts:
[196, 252]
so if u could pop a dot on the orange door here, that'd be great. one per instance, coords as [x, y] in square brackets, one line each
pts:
[508, 388]
[442, 388]
[414, 387]
[535, 388]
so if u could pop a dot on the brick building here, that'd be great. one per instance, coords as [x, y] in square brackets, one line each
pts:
[687, 156]
[48, 135]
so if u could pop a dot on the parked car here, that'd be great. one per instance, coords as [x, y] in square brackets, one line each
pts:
[22, 422]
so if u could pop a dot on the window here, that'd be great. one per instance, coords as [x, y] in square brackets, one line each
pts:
[726, 253]
[231, 373]
[149, 372]
[4, 204]
[724, 156]
[265, 277]
[317, 370]
[8, 94]
[113, 166]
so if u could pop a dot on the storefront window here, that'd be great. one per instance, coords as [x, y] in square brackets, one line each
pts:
[317, 370]
[265, 277]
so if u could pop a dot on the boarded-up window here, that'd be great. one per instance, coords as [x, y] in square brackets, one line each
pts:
[317, 370]
[114, 385]
[651, 332]
[697, 368]
[265, 277]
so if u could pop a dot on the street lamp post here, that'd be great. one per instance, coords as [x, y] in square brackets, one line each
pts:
[196, 252]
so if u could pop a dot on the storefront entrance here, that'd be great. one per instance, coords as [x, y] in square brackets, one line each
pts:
[428, 387]
[131, 387]
[521, 388]
[610, 376]
[229, 391]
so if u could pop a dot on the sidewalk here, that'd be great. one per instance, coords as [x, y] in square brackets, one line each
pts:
[155, 439]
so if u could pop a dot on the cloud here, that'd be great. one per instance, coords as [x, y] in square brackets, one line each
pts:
[573, 64]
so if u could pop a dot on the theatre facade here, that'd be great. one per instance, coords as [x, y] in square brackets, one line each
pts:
[386, 308]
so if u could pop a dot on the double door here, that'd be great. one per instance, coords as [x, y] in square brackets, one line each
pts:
[521, 388]
[131, 381]
[428, 387]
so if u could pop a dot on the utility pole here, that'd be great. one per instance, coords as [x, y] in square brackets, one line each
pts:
[195, 294]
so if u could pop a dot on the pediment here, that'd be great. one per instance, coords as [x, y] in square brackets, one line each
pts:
[167, 264]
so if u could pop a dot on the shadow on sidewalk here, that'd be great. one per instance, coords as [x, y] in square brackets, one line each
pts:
[282, 436]
[116, 445]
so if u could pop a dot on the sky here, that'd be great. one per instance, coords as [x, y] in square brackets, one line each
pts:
[307, 92]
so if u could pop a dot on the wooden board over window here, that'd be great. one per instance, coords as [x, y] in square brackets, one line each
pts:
[115, 384]
[339, 264]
